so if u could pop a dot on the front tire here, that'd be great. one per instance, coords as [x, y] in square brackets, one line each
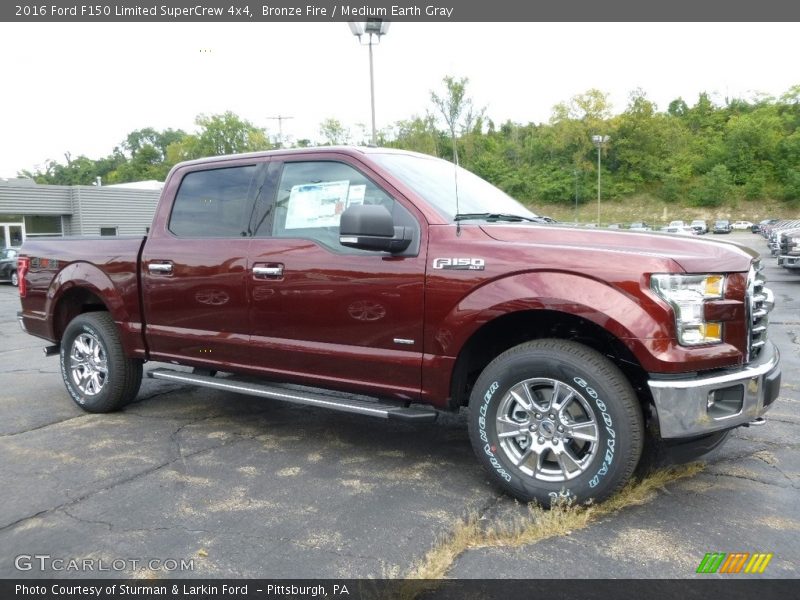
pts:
[553, 419]
[15, 279]
[96, 372]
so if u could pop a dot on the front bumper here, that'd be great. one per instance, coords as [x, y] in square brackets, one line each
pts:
[787, 261]
[698, 405]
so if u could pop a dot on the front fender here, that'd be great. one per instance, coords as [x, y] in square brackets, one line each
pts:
[640, 322]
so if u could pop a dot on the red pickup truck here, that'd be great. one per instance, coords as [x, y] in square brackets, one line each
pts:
[421, 288]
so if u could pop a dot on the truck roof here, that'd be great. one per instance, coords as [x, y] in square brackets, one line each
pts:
[352, 150]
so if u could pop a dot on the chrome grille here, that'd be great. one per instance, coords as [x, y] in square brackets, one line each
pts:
[759, 303]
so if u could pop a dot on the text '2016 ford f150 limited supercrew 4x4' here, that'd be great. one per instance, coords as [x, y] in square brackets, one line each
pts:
[403, 278]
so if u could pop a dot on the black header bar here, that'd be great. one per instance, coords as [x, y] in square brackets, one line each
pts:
[264, 11]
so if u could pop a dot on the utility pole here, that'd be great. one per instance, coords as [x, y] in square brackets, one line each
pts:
[599, 141]
[280, 119]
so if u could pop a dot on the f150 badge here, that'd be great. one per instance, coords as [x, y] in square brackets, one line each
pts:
[459, 264]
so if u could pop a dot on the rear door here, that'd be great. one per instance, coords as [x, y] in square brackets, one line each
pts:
[194, 265]
[325, 314]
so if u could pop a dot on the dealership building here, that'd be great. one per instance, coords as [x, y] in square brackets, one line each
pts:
[29, 210]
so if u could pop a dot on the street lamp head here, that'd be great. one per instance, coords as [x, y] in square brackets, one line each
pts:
[357, 29]
[377, 27]
[370, 27]
[599, 140]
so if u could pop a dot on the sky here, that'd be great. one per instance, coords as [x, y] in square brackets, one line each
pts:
[82, 87]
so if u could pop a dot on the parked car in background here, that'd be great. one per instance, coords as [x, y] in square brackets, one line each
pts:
[699, 226]
[722, 226]
[789, 250]
[741, 225]
[640, 226]
[756, 228]
[683, 230]
[779, 234]
[677, 223]
[8, 265]
[616, 226]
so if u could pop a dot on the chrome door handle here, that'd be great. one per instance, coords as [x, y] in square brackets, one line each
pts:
[160, 267]
[268, 271]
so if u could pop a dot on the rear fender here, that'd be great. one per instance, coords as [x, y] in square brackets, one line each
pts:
[119, 296]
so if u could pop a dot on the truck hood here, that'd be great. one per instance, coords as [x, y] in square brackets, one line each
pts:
[693, 254]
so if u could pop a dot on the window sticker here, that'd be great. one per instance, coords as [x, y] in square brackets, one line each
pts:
[356, 195]
[317, 204]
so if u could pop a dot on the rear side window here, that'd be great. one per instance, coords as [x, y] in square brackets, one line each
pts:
[213, 203]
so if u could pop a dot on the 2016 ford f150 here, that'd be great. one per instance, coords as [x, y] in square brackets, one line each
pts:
[403, 278]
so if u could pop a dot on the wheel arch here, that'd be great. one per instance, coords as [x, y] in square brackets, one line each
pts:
[511, 329]
[81, 287]
[72, 302]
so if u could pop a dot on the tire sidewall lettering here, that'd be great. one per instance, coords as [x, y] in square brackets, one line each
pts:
[608, 456]
[487, 447]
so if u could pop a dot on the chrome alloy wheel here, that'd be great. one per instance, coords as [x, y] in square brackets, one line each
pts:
[88, 365]
[547, 429]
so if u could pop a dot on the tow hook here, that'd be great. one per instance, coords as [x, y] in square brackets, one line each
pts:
[757, 422]
[51, 350]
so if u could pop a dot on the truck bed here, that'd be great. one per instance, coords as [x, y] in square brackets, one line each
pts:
[104, 266]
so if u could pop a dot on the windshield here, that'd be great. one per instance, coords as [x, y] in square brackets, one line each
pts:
[435, 180]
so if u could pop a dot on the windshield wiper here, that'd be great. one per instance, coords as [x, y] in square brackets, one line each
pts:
[494, 217]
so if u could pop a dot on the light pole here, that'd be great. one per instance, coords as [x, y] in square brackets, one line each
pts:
[599, 141]
[374, 29]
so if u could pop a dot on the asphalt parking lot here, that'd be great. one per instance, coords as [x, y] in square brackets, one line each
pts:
[243, 487]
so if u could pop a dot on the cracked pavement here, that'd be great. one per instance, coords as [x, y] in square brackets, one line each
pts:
[253, 488]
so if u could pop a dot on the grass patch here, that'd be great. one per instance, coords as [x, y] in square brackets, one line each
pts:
[534, 526]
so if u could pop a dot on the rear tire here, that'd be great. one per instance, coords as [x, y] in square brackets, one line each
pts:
[553, 419]
[15, 279]
[96, 372]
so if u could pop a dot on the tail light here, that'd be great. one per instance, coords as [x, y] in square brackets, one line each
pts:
[23, 263]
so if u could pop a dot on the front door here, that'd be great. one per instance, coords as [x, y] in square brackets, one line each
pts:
[328, 315]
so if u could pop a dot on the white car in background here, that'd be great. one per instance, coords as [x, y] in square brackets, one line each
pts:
[742, 225]
[681, 230]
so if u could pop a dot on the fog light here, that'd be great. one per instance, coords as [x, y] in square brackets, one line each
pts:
[725, 402]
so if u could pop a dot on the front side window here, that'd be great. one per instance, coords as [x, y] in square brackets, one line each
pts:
[313, 195]
[213, 203]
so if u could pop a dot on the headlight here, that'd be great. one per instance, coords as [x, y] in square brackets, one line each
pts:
[687, 295]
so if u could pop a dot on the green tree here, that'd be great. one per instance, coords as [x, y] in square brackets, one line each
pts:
[714, 189]
[333, 132]
[418, 134]
[456, 108]
[146, 155]
[219, 135]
